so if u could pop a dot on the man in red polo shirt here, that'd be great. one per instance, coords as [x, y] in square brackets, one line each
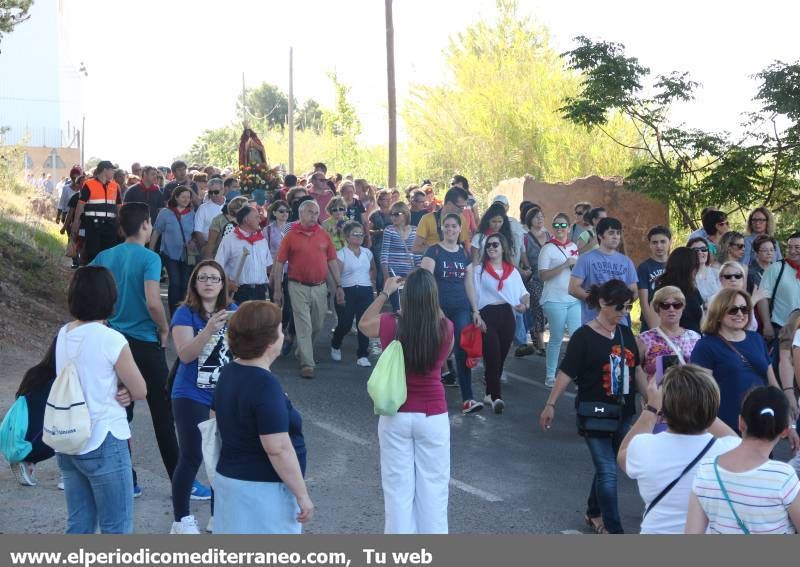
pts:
[311, 254]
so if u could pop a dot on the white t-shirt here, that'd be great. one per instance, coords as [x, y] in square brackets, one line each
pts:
[204, 215]
[796, 341]
[95, 349]
[655, 460]
[355, 270]
[551, 256]
[486, 288]
[479, 242]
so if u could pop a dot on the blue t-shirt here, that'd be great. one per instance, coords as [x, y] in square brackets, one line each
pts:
[596, 268]
[132, 265]
[450, 271]
[250, 402]
[734, 376]
[172, 243]
[196, 381]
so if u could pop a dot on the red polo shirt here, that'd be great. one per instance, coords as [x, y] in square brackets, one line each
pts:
[308, 254]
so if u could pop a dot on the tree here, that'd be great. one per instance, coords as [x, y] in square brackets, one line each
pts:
[218, 147]
[12, 13]
[497, 116]
[689, 168]
[309, 117]
[267, 104]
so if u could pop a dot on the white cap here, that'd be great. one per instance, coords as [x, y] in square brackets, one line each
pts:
[500, 199]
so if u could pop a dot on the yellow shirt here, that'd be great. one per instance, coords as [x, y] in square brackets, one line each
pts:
[426, 229]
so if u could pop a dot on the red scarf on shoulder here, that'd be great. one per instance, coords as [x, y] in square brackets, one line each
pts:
[796, 268]
[508, 269]
[557, 242]
[185, 211]
[252, 239]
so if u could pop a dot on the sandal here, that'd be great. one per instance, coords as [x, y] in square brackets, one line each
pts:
[595, 523]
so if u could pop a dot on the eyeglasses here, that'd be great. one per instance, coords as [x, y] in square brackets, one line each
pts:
[202, 278]
[738, 245]
[755, 219]
[743, 309]
[398, 214]
[732, 276]
[357, 234]
[560, 225]
[677, 306]
[338, 210]
[493, 244]
[703, 250]
[282, 211]
[213, 192]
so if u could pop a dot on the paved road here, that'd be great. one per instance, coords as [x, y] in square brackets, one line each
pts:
[507, 475]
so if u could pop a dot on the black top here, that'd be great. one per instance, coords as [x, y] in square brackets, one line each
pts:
[154, 199]
[587, 362]
[693, 311]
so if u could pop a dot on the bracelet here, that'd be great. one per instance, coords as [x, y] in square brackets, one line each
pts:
[549, 404]
[793, 426]
[648, 407]
[383, 293]
[789, 388]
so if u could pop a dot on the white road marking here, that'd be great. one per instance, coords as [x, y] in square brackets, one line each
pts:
[535, 383]
[342, 433]
[469, 489]
[571, 532]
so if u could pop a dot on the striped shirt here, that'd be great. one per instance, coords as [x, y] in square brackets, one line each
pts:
[396, 255]
[256, 265]
[761, 497]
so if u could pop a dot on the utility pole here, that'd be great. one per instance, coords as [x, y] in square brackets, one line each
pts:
[244, 105]
[392, 97]
[82, 139]
[291, 110]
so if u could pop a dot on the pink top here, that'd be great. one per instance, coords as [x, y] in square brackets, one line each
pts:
[655, 346]
[425, 391]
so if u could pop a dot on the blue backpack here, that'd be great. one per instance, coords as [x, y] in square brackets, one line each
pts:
[13, 430]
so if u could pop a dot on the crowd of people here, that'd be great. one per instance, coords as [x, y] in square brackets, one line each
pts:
[699, 396]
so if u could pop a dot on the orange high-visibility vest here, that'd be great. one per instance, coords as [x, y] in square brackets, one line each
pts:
[102, 202]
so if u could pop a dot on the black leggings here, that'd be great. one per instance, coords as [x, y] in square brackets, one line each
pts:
[500, 328]
[188, 414]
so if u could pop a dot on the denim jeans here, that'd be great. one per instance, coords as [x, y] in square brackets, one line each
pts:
[99, 489]
[560, 316]
[188, 413]
[461, 317]
[250, 293]
[356, 300]
[178, 273]
[603, 492]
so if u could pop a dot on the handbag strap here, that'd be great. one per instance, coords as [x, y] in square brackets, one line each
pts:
[728, 499]
[180, 229]
[671, 345]
[775, 289]
[744, 359]
[672, 484]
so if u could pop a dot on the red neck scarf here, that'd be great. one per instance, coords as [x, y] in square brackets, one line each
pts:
[150, 189]
[488, 232]
[252, 239]
[508, 269]
[185, 211]
[796, 267]
[557, 242]
[307, 229]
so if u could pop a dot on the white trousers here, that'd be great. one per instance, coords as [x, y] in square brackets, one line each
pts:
[415, 472]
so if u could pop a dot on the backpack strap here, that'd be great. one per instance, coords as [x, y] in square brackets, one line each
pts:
[672, 484]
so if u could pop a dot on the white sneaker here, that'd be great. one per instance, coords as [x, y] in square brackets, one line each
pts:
[504, 378]
[363, 361]
[375, 347]
[498, 406]
[210, 525]
[60, 484]
[487, 399]
[23, 472]
[550, 382]
[187, 526]
[336, 354]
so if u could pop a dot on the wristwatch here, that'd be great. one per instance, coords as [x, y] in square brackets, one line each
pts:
[648, 407]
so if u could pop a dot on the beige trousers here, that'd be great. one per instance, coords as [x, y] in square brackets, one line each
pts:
[309, 307]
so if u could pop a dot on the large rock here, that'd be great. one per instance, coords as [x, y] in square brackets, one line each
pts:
[637, 212]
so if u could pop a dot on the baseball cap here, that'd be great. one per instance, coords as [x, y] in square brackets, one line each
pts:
[500, 199]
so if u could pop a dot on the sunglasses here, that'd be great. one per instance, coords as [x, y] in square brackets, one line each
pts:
[677, 306]
[338, 210]
[493, 244]
[623, 307]
[732, 276]
[739, 246]
[398, 214]
[213, 192]
[702, 250]
[560, 225]
[743, 309]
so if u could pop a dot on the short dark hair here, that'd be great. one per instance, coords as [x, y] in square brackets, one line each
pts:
[608, 223]
[762, 239]
[710, 220]
[659, 229]
[794, 235]
[592, 214]
[290, 180]
[92, 294]
[253, 328]
[148, 168]
[177, 164]
[454, 194]
[460, 179]
[320, 166]
[228, 182]
[765, 411]
[132, 216]
[613, 292]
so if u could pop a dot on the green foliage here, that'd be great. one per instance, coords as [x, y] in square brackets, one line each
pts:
[12, 13]
[267, 105]
[690, 168]
[219, 147]
[309, 117]
[497, 117]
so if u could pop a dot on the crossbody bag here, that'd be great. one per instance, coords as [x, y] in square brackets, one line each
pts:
[601, 419]
[672, 484]
[671, 345]
[746, 361]
[191, 258]
[739, 521]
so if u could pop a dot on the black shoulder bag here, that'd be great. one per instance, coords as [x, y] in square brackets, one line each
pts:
[672, 484]
[775, 291]
[601, 419]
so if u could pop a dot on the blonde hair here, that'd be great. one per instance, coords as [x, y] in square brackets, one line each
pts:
[732, 264]
[336, 202]
[665, 292]
[690, 399]
[723, 301]
[401, 207]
